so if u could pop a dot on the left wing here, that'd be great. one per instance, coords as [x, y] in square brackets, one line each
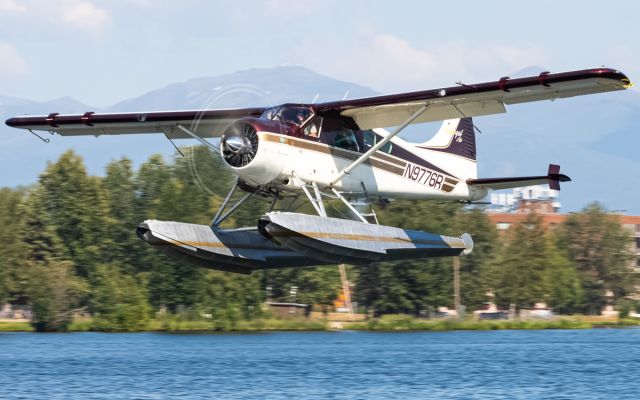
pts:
[205, 123]
[474, 100]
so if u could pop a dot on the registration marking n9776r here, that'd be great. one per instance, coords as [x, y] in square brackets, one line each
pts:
[423, 175]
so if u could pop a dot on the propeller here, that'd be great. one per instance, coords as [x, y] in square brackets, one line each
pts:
[239, 145]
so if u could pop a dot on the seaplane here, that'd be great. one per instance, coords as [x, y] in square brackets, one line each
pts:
[335, 152]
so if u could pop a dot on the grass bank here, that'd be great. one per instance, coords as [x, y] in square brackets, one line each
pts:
[270, 324]
[617, 323]
[255, 325]
[175, 324]
[15, 327]
[408, 323]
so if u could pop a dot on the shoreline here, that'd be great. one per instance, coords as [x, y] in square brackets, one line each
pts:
[391, 323]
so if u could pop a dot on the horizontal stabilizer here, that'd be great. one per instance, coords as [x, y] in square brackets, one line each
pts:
[553, 178]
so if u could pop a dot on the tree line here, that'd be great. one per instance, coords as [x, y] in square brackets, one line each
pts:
[68, 246]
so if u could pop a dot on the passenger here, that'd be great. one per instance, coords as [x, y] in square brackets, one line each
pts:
[311, 130]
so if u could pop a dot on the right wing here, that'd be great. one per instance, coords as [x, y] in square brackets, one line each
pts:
[473, 99]
[204, 123]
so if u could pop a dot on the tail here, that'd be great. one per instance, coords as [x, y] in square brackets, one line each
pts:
[456, 136]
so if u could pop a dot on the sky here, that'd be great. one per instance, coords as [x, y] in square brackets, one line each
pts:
[101, 52]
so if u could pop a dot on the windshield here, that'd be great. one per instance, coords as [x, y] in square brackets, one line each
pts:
[294, 114]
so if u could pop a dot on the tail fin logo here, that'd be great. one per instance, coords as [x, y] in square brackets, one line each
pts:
[457, 136]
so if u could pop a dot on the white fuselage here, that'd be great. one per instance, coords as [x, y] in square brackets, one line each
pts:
[282, 161]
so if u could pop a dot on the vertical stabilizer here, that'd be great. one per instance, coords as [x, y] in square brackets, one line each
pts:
[456, 136]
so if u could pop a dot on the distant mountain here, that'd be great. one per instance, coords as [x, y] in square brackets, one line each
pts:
[594, 138]
[253, 87]
[11, 106]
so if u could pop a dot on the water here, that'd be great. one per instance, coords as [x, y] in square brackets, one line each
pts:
[582, 364]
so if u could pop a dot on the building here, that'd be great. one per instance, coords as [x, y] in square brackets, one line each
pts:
[539, 198]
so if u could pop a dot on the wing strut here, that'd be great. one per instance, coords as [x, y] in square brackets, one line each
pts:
[198, 138]
[379, 145]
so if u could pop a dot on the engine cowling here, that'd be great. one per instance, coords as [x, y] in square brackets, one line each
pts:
[242, 150]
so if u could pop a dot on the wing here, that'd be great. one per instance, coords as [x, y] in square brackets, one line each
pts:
[205, 123]
[474, 100]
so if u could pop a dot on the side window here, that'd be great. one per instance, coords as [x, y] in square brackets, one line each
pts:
[345, 139]
[313, 128]
[369, 139]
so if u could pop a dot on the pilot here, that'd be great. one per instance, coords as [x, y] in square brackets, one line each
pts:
[300, 117]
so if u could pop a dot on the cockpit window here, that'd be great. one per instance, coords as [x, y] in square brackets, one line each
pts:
[346, 139]
[293, 114]
[270, 113]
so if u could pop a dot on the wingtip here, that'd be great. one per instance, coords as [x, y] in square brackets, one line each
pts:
[11, 122]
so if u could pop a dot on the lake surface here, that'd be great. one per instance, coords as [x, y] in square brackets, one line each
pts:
[581, 364]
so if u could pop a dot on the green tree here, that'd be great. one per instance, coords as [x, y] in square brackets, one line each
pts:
[54, 293]
[599, 246]
[319, 286]
[564, 287]
[529, 268]
[475, 267]
[11, 245]
[124, 246]
[76, 208]
[162, 195]
[119, 301]
[46, 279]
[231, 298]
[518, 275]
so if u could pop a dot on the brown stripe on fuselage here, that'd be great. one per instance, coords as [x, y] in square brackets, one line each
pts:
[394, 169]
[447, 188]
[450, 181]
[390, 159]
